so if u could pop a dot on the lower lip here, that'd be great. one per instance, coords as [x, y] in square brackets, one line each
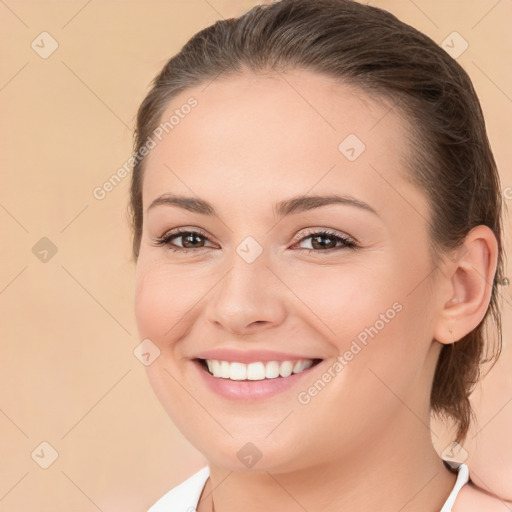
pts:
[249, 390]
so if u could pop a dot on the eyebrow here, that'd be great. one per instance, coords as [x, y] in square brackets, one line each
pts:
[290, 206]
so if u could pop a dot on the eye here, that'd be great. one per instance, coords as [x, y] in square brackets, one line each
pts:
[327, 241]
[191, 240]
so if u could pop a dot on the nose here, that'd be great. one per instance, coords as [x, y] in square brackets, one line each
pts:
[248, 298]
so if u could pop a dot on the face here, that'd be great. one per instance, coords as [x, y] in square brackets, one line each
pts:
[253, 277]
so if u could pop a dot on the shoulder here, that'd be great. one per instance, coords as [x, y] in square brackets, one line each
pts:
[473, 499]
[185, 496]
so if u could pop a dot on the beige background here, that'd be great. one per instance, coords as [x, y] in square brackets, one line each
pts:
[68, 375]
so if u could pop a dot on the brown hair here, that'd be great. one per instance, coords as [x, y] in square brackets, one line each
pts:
[369, 48]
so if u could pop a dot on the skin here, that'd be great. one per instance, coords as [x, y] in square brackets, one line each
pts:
[364, 441]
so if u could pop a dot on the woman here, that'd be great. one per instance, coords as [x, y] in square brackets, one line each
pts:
[316, 214]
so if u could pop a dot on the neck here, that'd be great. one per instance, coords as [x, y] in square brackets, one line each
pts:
[398, 471]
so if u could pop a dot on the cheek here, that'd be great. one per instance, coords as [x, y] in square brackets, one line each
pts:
[164, 302]
[150, 296]
[374, 314]
[340, 302]
[164, 305]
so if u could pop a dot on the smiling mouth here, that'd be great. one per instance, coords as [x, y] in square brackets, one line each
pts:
[255, 371]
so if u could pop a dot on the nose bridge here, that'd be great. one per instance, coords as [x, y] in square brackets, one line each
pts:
[247, 292]
[246, 275]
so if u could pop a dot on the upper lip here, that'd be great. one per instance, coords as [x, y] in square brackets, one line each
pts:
[249, 356]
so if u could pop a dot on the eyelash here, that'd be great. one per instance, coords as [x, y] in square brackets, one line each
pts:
[165, 240]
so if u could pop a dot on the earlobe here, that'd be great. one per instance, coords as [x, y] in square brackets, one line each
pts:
[447, 336]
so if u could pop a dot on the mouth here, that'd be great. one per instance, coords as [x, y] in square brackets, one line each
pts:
[255, 371]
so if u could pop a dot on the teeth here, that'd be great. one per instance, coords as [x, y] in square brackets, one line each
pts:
[286, 369]
[258, 370]
[272, 370]
[255, 371]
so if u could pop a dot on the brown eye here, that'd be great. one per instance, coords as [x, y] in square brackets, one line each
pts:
[191, 239]
[325, 241]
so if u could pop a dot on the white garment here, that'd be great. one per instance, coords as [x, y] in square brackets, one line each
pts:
[185, 497]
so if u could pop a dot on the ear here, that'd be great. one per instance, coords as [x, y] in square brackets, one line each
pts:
[468, 277]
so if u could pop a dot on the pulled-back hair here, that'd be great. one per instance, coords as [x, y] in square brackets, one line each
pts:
[371, 49]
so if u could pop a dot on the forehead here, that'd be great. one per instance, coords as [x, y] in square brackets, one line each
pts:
[281, 134]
